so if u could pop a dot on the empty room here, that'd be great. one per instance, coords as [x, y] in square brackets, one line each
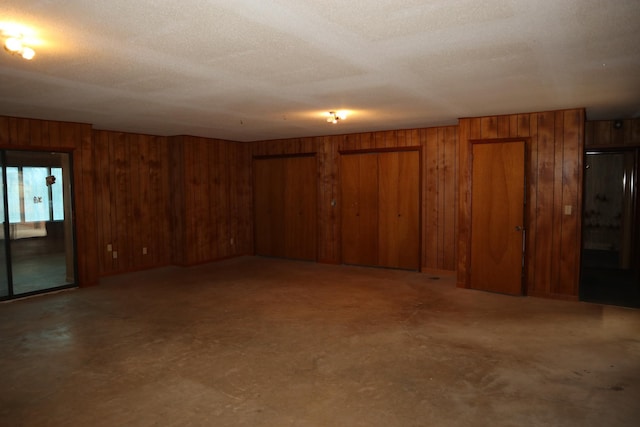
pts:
[296, 213]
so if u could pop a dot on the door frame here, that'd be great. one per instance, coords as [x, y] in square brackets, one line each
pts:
[527, 240]
[313, 154]
[72, 219]
[635, 205]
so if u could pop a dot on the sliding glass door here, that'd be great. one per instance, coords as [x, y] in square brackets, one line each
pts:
[38, 249]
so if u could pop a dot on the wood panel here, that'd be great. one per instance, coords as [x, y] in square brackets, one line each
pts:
[399, 209]
[268, 190]
[300, 208]
[497, 212]
[554, 175]
[359, 212]
[607, 134]
[206, 188]
[380, 198]
[75, 138]
[438, 180]
[160, 172]
[132, 199]
[285, 206]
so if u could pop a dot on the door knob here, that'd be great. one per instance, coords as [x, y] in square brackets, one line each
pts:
[519, 228]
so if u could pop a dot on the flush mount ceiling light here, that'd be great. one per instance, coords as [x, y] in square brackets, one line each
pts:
[335, 116]
[18, 39]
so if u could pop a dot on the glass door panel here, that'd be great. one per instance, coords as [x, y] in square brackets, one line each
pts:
[39, 214]
[4, 277]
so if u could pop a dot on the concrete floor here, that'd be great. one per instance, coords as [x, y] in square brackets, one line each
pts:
[264, 342]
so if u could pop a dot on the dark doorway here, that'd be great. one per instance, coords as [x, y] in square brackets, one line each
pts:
[610, 267]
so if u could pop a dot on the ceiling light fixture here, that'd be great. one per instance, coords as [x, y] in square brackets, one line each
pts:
[335, 116]
[15, 46]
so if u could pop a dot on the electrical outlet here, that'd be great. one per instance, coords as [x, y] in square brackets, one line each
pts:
[114, 254]
[232, 241]
[144, 250]
[109, 247]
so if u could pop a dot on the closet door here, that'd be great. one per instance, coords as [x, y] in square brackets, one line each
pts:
[285, 200]
[300, 196]
[380, 209]
[398, 219]
[269, 206]
[359, 212]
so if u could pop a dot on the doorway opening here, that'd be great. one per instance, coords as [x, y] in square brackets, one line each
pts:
[37, 252]
[610, 268]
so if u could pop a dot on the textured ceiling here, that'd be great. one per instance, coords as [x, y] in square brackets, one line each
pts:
[250, 70]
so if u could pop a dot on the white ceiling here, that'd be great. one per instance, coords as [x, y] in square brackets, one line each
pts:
[254, 69]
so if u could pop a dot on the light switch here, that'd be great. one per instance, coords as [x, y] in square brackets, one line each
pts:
[568, 209]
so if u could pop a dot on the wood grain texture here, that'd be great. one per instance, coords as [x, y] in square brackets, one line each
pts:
[438, 187]
[497, 210]
[604, 133]
[75, 138]
[185, 198]
[554, 175]
[132, 201]
[206, 188]
[285, 207]
[359, 212]
[399, 207]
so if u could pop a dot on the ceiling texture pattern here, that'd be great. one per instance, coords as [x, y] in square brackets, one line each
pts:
[248, 70]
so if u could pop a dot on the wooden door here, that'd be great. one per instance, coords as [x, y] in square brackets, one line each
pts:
[285, 203]
[300, 198]
[269, 206]
[398, 218]
[497, 216]
[359, 208]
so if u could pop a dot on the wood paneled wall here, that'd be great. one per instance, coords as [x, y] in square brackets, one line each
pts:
[211, 198]
[439, 185]
[132, 200]
[181, 198]
[20, 133]
[554, 195]
[604, 133]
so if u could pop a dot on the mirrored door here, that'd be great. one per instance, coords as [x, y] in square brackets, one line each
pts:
[37, 219]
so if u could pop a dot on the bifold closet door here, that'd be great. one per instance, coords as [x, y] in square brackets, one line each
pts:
[285, 200]
[268, 194]
[359, 213]
[300, 214]
[398, 219]
[380, 209]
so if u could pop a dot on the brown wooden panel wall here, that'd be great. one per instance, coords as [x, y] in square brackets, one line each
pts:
[20, 133]
[439, 185]
[211, 199]
[554, 171]
[132, 200]
[604, 133]
[184, 198]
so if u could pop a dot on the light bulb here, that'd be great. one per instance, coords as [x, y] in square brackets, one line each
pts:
[28, 53]
[13, 45]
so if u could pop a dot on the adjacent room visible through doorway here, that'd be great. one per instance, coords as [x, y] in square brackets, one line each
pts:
[610, 269]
